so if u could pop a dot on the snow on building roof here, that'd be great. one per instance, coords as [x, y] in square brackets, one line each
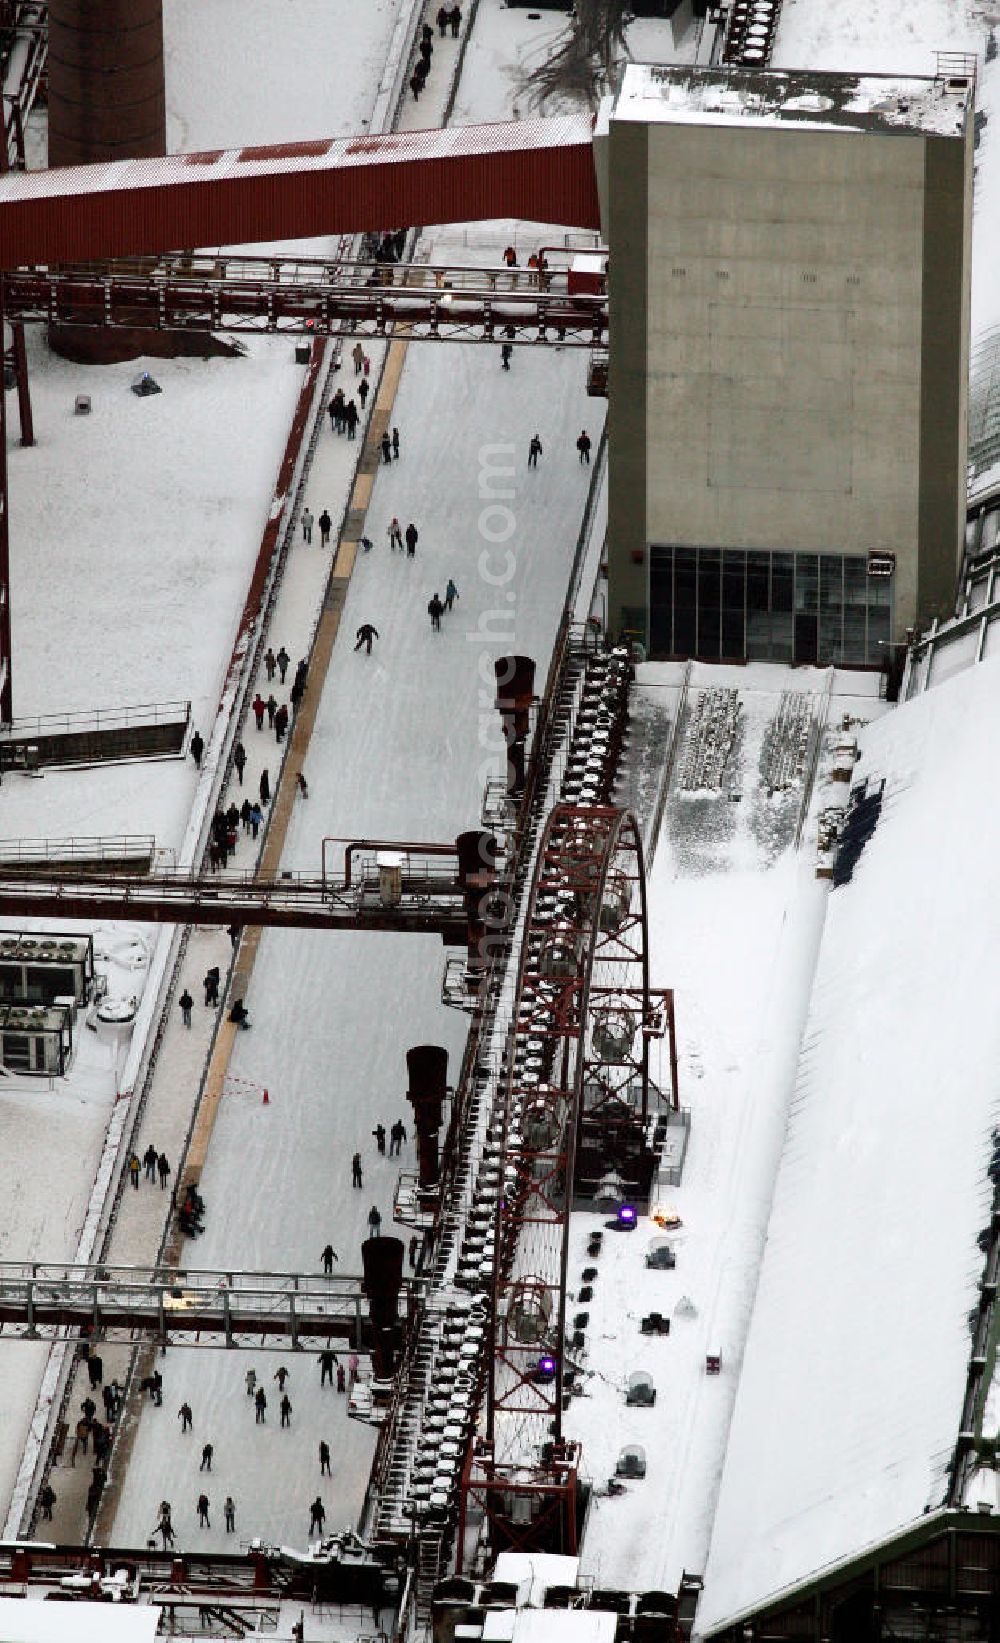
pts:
[533, 1573]
[564, 1626]
[851, 1392]
[33, 1621]
[767, 97]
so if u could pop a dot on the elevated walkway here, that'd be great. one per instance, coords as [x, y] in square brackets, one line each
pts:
[280, 1310]
[313, 298]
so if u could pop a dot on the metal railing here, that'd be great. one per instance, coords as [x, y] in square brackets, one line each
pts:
[102, 847]
[96, 720]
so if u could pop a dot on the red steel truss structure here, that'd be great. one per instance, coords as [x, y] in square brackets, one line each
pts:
[577, 1078]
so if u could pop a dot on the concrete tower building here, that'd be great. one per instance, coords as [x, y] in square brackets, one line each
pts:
[789, 358]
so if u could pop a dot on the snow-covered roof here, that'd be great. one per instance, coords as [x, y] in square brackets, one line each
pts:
[533, 1573]
[316, 155]
[851, 1393]
[564, 1626]
[33, 1621]
[741, 96]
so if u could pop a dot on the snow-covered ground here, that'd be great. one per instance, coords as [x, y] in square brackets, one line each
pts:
[402, 746]
[735, 921]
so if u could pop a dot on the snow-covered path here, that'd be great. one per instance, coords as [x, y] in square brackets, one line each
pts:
[403, 743]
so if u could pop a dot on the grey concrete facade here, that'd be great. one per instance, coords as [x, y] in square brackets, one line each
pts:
[789, 310]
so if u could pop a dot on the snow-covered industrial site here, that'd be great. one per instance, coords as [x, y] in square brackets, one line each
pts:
[527, 479]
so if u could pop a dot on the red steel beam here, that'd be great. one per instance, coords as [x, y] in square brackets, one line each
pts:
[538, 170]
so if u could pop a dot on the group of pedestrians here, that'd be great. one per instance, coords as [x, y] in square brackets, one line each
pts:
[438, 606]
[405, 541]
[330, 1366]
[89, 1430]
[446, 18]
[583, 448]
[155, 1163]
[325, 524]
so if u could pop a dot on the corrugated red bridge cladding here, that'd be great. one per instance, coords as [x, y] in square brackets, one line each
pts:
[92, 220]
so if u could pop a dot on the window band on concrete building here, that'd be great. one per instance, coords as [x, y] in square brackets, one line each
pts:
[723, 604]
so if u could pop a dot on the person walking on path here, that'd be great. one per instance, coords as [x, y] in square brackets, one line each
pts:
[434, 610]
[229, 1512]
[208, 1450]
[395, 444]
[365, 634]
[412, 538]
[451, 593]
[455, 19]
[363, 392]
[395, 535]
[250, 1381]
[341, 1379]
[352, 1369]
[397, 1135]
[286, 1409]
[163, 1170]
[186, 1003]
[307, 525]
[269, 663]
[282, 660]
[324, 1459]
[356, 1180]
[260, 1405]
[46, 1500]
[245, 809]
[164, 1527]
[95, 1363]
[239, 760]
[534, 451]
[583, 446]
[258, 706]
[327, 1359]
[351, 418]
[281, 722]
[211, 985]
[442, 19]
[133, 1170]
[317, 1516]
[265, 789]
[272, 707]
[379, 1133]
[197, 748]
[149, 1158]
[296, 694]
[505, 353]
[328, 1257]
[325, 527]
[185, 1417]
[358, 356]
[374, 1222]
[386, 448]
[281, 1375]
[203, 1512]
[416, 86]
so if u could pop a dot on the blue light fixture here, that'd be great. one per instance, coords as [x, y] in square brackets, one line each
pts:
[627, 1217]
